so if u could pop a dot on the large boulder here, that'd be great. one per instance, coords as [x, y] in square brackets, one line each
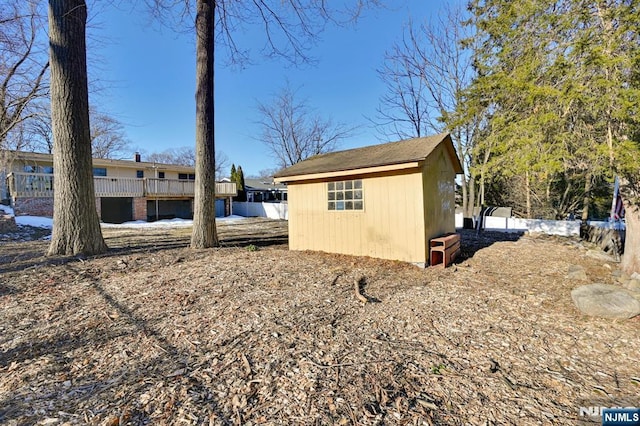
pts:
[607, 301]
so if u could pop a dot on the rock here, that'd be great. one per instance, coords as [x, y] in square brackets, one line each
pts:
[577, 272]
[617, 273]
[607, 301]
[623, 281]
[633, 284]
[621, 276]
[600, 255]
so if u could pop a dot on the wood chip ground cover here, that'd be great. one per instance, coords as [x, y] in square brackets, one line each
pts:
[251, 333]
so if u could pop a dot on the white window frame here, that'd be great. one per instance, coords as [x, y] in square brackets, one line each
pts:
[345, 195]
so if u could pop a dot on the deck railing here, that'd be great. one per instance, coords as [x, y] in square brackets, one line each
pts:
[226, 189]
[30, 184]
[118, 187]
[42, 185]
[168, 187]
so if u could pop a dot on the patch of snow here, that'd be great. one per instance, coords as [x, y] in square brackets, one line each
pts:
[47, 222]
[6, 209]
[230, 218]
[35, 221]
[165, 223]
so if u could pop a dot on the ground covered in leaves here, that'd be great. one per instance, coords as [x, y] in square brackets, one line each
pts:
[251, 333]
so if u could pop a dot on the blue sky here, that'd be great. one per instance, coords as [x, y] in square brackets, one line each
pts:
[149, 73]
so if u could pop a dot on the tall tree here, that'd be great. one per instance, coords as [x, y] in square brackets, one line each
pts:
[23, 66]
[628, 155]
[293, 132]
[204, 216]
[242, 192]
[560, 81]
[186, 156]
[108, 137]
[426, 74]
[288, 26]
[233, 173]
[76, 226]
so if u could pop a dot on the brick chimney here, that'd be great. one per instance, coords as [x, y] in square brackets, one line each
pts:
[137, 157]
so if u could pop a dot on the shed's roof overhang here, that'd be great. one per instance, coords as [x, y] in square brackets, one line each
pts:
[348, 173]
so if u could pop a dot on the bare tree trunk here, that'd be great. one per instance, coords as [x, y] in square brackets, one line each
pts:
[631, 257]
[587, 199]
[472, 197]
[527, 186]
[465, 196]
[204, 219]
[76, 226]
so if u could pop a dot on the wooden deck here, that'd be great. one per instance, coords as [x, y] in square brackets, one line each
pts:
[23, 185]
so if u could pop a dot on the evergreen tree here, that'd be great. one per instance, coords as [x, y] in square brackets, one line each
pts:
[237, 176]
[240, 179]
[558, 83]
[550, 75]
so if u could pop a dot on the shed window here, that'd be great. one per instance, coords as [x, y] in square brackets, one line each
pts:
[345, 195]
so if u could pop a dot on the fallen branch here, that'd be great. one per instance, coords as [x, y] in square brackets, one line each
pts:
[361, 297]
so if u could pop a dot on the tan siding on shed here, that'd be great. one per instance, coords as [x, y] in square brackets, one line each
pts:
[391, 226]
[439, 200]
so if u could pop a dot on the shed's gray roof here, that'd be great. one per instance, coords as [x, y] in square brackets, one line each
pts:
[406, 151]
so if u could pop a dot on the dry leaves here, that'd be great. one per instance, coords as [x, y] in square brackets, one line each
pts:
[156, 335]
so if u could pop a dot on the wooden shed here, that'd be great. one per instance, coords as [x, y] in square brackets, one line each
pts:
[385, 201]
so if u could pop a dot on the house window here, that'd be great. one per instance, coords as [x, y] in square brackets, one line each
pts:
[184, 176]
[99, 171]
[160, 175]
[345, 195]
[139, 174]
[39, 169]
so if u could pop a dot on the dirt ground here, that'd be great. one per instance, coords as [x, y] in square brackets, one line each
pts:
[251, 333]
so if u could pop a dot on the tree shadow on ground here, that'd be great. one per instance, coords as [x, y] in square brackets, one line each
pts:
[60, 349]
[29, 254]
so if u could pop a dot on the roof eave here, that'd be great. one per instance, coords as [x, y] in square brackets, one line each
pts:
[42, 156]
[351, 172]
